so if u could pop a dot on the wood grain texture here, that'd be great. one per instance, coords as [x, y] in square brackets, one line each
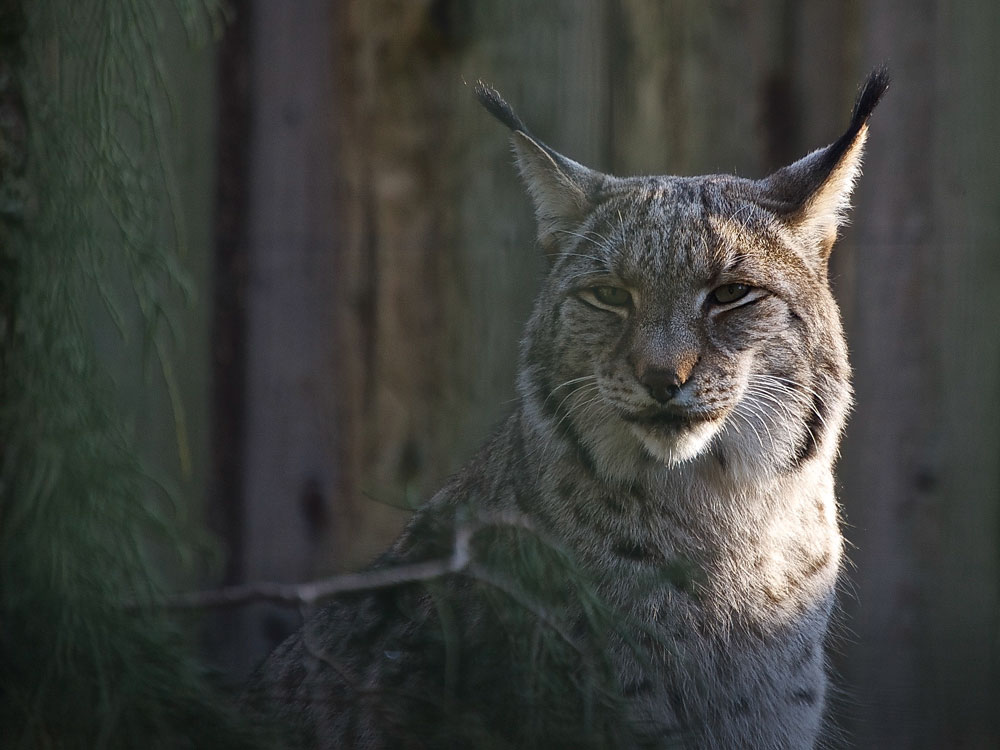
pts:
[424, 266]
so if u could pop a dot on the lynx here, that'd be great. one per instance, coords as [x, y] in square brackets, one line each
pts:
[645, 552]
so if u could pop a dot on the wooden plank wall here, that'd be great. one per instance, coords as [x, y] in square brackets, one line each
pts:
[391, 266]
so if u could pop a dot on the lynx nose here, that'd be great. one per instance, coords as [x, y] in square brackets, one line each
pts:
[662, 384]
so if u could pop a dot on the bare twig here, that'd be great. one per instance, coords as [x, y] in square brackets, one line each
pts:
[308, 594]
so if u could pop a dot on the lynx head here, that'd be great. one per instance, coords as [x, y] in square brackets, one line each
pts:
[690, 318]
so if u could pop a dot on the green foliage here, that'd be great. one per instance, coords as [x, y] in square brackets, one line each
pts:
[563, 685]
[515, 651]
[83, 663]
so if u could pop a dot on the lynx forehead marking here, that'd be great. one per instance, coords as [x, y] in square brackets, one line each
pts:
[661, 237]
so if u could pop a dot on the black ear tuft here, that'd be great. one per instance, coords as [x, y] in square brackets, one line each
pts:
[560, 188]
[490, 98]
[871, 93]
[813, 194]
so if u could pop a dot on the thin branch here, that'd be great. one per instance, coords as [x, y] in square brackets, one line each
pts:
[309, 594]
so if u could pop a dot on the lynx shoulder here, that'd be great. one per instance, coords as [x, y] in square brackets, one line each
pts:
[649, 543]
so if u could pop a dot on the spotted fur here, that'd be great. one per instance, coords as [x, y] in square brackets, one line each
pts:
[683, 387]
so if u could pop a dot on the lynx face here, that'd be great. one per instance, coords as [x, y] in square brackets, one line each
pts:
[690, 318]
[683, 318]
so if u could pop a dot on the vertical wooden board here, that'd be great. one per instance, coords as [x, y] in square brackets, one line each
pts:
[292, 443]
[961, 653]
[684, 88]
[889, 455]
[399, 263]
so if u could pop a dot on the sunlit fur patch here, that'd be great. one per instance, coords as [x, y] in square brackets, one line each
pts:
[681, 445]
[735, 233]
[750, 236]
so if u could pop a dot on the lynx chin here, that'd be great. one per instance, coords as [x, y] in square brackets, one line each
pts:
[649, 542]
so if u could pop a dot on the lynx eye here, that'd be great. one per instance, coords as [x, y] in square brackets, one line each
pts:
[729, 293]
[612, 296]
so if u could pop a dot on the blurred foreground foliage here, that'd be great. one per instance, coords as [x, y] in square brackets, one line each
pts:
[85, 176]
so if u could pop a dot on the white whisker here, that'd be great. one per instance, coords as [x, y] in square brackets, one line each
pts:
[756, 410]
[606, 246]
[571, 381]
[804, 392]
[764, 387]
[745, 420]
[770, 397]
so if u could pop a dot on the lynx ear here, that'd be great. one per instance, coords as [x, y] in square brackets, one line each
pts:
[559, 187]
[813, 194]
